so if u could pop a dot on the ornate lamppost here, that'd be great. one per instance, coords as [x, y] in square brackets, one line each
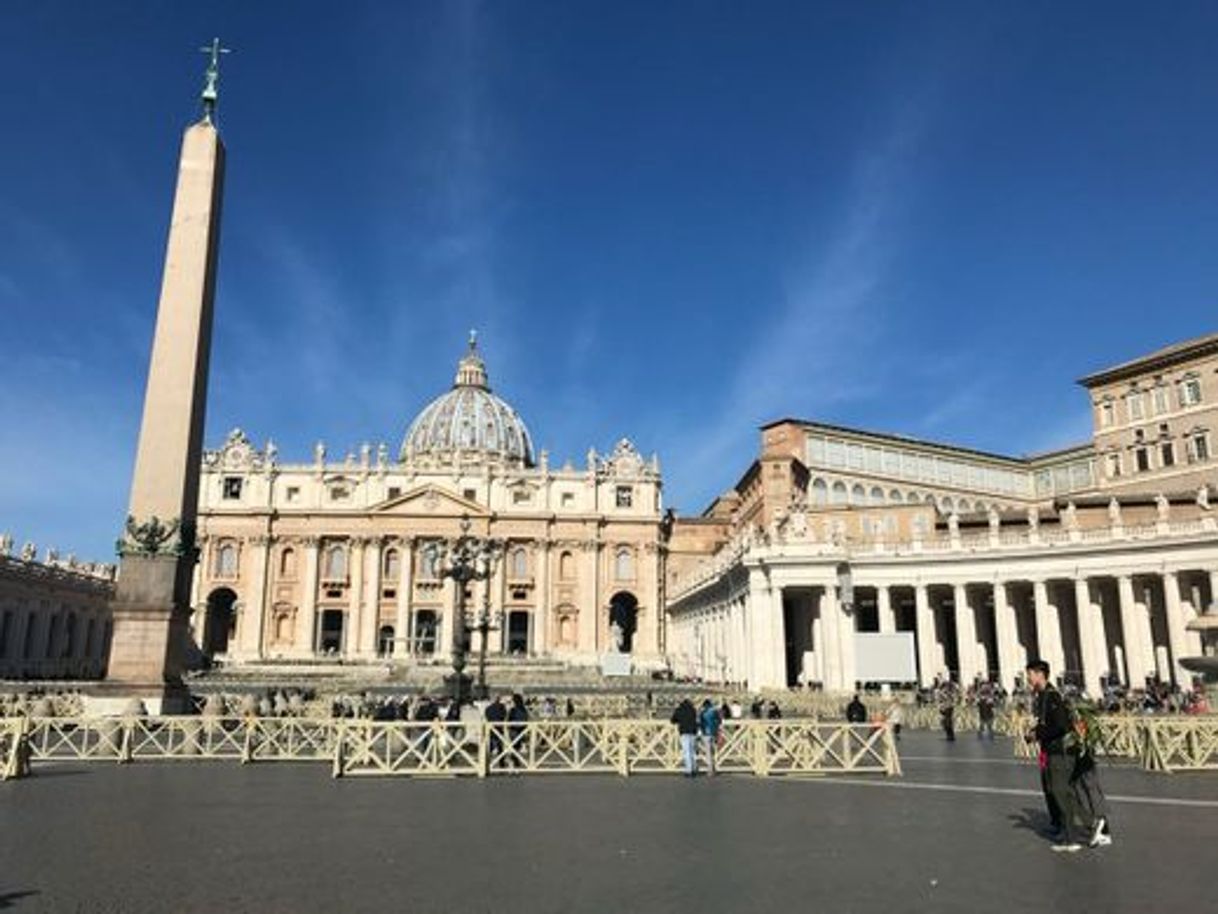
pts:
[469, 558]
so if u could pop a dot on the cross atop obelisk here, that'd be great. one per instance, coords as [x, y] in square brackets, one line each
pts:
[211, 79]
[150, 645]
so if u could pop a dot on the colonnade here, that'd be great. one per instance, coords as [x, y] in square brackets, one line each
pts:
[790, 625]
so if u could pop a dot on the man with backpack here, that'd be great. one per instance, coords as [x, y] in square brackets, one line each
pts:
[709, 722]
[1054, 732]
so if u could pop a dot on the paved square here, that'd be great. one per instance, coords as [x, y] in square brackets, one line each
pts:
[956, 833]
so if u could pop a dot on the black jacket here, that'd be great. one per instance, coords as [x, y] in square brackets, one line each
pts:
[685, 717]
[1052, 720]
[856, 712]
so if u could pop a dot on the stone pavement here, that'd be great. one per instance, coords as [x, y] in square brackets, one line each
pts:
[957, 833]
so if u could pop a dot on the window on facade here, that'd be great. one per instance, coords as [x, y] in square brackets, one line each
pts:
[226, 561]
[428, 563]
[470, 494]
[568, 499]
[391, 565]
[520, 563]
[838, 494]
[858, 496]
[625, 496]
[1113, 465]
[1190, 391]
[339, 493]
[1167, 454]
[521, 496]
[1199, 447]
[1133, 403]
[820, 492]
[1160, 400]
[287, 563]
[394, 492]
[566, 567]
[1107, 413]
[1141, 458]
[293, 493]
[231, 488]
[623, 565]
[335, 565]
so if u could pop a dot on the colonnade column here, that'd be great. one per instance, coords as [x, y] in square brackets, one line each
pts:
[371, 616]
[306, 625]
[1048, 630]
[1091, 634]
[924, 622]
[1009, 661]
[883, 604]
[1135, 658]
[405, 584]
[830, 650]
[966, 635]
[541, 613]
[1175, 627]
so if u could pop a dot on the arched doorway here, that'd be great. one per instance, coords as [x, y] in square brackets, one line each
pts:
[220, 623]
[425, 631]
[623, 612]
[331, 640]
[384, 641]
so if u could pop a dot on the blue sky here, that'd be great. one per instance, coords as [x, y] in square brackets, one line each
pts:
[667, 221]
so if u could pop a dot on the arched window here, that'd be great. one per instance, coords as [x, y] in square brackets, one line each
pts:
[820, 492]
[226, 561]
[287, 563]
[838, 494]
[566, 567]
[335, 566]
[391, 565]
[858, 495]
[877, 496]
[623, 565]
[520, 563]
[895, 497]
[912, 498]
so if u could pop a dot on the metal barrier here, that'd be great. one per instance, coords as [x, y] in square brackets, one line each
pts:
[479, 749]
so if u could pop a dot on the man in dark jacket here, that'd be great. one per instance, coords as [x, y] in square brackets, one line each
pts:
[1055, 733]
[495, 715]
[856, 711]
[685, 716]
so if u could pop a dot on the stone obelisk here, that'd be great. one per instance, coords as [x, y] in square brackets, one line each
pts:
[157, 550]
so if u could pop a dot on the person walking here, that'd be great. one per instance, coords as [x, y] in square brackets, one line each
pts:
[709, 722]
[947, 712]
[495, 715]
[985, 711]
[1054, 732]
[685, 716]
[893, 715]
[1085, 782]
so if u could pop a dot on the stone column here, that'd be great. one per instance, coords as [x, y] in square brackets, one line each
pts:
[925, 623]
[966, 635]
[371, 614]
[251, 623]
[1175, 628]
[831, 649]
[541, 601]
[401, 620]
[354, 623]
[1010, 664]
[588, 621]
[1091, 634]
[883, 603]
[306, 618]
[1048, 633]
[1131, 630]
[1146, 636]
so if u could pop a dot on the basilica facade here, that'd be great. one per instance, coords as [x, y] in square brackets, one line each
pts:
[342, 558]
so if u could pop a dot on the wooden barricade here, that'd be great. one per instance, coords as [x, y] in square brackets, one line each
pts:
[1180, 743]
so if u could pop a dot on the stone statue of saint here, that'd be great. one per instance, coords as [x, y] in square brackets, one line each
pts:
[993, 518]
[1203, 499]
[1070, 516]
[1033, 518]
[29, 552]
[1114, 512]
[617, 636]
[953, 524]
[1163, 507]
[319, 453]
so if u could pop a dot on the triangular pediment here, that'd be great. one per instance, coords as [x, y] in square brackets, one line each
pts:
[430, 500]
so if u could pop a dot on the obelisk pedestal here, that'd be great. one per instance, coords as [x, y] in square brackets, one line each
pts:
[151, 609]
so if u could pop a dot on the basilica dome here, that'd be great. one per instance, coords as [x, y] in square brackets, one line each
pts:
[468, 424]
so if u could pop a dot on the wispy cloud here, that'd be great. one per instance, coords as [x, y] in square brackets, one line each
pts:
[820, 348]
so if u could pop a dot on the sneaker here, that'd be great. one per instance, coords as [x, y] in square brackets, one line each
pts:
[1063, 847]
[1101, 840]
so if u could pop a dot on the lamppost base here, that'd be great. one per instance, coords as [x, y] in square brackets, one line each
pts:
[458, 687]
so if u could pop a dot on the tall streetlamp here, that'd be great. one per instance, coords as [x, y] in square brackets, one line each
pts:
[469, 558]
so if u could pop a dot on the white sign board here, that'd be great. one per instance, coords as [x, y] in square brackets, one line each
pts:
[885, 658]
